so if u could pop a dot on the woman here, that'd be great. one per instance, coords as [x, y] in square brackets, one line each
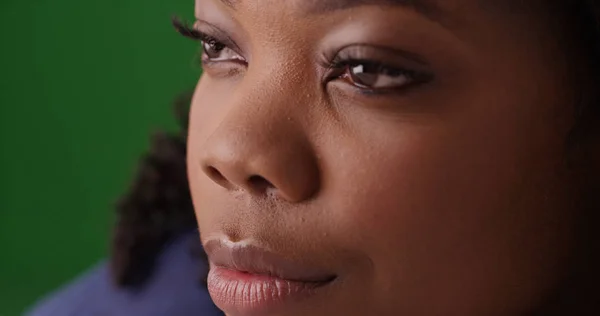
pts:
[157, 264]
[388, 157]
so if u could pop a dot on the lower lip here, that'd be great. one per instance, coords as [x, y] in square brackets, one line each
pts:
[242, 293]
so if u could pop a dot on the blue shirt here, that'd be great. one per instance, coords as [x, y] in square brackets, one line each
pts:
[173, 289]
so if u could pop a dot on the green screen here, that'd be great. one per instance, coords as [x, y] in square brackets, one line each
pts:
[82, 86]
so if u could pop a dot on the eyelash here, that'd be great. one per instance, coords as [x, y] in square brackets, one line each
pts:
[189, 32]
[338, 68]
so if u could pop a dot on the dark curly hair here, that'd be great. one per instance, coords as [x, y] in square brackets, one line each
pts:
[157, 207]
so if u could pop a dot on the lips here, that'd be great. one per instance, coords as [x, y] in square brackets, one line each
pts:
[248, 280]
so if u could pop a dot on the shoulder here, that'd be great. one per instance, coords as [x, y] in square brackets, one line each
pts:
[173, 289]
[71, 299]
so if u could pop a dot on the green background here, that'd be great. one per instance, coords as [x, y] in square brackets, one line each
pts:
[82, 86]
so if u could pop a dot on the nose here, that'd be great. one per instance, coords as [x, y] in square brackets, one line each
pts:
[260, 150]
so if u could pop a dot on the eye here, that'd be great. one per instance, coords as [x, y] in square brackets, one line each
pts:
[375, 76]
[215, 51]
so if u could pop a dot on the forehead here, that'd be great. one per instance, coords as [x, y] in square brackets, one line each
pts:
[317, 6]
[447, 11]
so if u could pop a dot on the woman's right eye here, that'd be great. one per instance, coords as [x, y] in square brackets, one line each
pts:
[214, 51]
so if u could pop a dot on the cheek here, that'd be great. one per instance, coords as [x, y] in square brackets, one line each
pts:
[436, 208]
[418, 191]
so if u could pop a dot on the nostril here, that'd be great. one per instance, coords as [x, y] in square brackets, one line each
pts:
[259, 184]
[255, 183]
[216, 176]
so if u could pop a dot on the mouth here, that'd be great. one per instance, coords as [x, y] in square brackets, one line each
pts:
[249, 280]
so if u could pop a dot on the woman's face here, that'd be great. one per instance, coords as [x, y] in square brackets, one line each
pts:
[381, 157]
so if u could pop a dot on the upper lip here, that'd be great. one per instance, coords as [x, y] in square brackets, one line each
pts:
[256, 260]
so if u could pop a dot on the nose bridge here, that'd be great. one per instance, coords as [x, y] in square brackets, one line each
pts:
[264, 116]
[260, 144]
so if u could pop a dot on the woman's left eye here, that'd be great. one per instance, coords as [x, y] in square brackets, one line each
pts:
[374, 76]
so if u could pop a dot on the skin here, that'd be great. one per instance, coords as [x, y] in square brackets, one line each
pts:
[449, 197]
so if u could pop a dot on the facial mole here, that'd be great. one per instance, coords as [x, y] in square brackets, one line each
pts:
[233, 235]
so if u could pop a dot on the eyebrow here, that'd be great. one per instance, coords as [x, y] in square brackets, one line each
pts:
[424, 7]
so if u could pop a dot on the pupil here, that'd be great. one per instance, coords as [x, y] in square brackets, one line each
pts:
[212, 49]
[217, 47]
[364, 74]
